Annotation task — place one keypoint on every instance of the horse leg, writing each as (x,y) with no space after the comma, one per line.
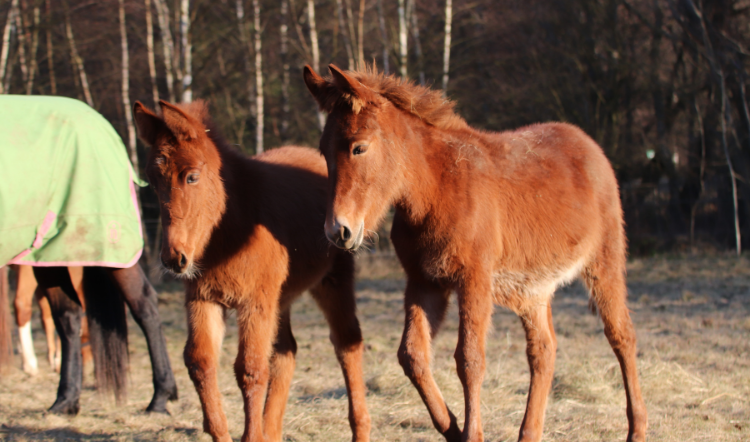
(142,300)
(66,312)
(425,304)
(6,343)
(606,282)
(205,333)
(541,345)
(53,355)
(335,296)
(76,277)
(281,372)
(257,323)
(25,288)
(475,312)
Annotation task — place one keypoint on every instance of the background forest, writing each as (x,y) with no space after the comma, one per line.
(659,84)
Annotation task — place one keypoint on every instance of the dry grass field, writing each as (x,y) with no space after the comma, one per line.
(692,315)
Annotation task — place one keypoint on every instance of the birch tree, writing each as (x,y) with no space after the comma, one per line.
(361,35)
(284,37)
(383,37)
(7,31)
(167,44)
(187,52)
(33,66)
(345,34)
(258,78)
(315,50)
(447,43)
(417,45)
(150,50)
(402,39)
(247,50)
(125,87)
(21,35)
(76,59)
(50,51)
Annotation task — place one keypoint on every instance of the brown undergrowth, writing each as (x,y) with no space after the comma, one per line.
(692,315)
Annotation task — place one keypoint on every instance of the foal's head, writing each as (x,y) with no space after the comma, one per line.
(365,143)
(183,167)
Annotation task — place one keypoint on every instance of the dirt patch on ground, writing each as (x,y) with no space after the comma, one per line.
(692,316)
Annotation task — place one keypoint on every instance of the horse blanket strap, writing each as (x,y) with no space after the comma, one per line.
(67,194)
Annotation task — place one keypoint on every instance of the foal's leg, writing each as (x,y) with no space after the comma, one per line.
(257,323)
(142,300)
(605,279)
(25,288)
(335,297)
(53,350)
(541,345)
(281,372)
(425,304)
(475,313)
(205,333)
(66,312)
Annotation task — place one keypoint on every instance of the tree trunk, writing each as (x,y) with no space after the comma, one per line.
(162,14)
(76,59)
(352,32)
(258,79)
(150,50)
(447,43)
(125,87)
(345,33)
(6,45)
(187,52)
(315,52)
(247,50)
(361,36)
(402,38)
(21,35)
(284,31)
(50,51)
(417,45)
(32,55)
(383,36)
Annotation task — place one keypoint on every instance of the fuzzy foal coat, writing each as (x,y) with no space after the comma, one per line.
(501,218)
(246,233)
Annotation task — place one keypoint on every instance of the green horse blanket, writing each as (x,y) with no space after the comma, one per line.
(67,194)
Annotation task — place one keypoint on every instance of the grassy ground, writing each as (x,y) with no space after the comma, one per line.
(692,315)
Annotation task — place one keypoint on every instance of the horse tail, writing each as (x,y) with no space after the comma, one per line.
(108,331)
(6,345)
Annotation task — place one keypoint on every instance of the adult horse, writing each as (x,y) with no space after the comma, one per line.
(69,200)
(245,233)
(501,218)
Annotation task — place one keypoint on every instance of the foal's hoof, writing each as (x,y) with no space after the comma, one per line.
(453,434)
(159,401)
(69,407)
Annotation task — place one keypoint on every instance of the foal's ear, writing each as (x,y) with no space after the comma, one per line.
(315,84)
(178,122)
(147,123)
(349,85)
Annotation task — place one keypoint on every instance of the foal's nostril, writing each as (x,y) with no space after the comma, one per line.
(183,260)
(345,233)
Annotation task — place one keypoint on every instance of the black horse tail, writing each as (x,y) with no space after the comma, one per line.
(6,345)
(108,331)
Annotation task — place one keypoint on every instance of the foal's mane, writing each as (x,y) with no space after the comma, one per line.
(198,111)
(428,105)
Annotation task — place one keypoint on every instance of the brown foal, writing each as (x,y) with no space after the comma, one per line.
(245,233)
(501,218)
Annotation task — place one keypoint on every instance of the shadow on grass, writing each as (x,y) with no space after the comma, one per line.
(21,433)
(334,393)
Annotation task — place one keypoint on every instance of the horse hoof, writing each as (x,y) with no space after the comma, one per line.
(65,407)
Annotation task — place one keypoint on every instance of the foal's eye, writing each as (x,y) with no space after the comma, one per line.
(359,149)
(192,178)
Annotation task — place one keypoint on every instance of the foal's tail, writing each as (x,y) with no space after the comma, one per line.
(6,345)
(108,331)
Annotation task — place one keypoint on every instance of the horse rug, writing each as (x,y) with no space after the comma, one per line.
(67,194)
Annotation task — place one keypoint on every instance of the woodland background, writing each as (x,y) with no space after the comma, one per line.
(661,85)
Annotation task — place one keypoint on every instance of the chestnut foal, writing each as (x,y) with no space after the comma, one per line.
(246,233)
(501,218)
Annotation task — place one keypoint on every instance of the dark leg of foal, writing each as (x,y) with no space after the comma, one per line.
(335,297)
(142,300)
(281,372)
(474,313)
(606,281)
(425,304)
(541,345)
(66,312)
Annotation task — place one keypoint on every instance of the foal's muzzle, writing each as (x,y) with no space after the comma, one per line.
(175,261)
(340,234)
